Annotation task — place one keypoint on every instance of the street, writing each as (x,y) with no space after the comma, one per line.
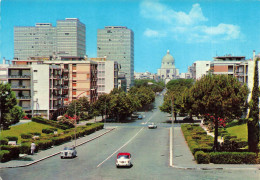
(150,149)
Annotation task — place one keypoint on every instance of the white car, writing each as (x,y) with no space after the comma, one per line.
(123,159)
(68,152)
(152,126)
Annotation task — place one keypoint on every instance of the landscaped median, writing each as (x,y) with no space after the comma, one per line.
(45,134)
(201,146)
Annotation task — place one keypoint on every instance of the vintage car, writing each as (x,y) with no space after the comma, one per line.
(123,159)
(68,152)
(152,126)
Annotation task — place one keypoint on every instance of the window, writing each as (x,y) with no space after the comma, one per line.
(74,74)
(74,92)
(35,71)
(74,84)
(67,33)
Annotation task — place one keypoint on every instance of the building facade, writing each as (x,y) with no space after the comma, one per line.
(116,43)
(107,75)
(45,87)
(45,41)
(199,69)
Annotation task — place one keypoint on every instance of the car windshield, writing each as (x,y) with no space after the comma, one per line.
(123,157)
(68,148)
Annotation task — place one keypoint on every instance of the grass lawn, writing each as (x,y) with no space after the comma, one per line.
(240,131)
(25,128)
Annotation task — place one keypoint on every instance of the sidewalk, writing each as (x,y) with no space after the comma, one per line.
(28,160)
(183,158)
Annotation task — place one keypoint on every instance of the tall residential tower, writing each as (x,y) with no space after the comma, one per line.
(44,40)
(116,43)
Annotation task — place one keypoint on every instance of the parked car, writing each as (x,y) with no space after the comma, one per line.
(140,117)
(123,159)
(188,118)
(152,126)
(68,152)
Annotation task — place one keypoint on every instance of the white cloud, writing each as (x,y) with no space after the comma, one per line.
(153,33)
(189,27)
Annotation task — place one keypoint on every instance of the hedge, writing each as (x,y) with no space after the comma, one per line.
(25,148)
(202,157)
(52,123)
(14,151)
(3,141)
(197,138)
(233,157)
(12,138)
(48,130)
(4,156)
(26,135)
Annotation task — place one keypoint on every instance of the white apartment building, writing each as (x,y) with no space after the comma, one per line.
(199,69)
(107,75)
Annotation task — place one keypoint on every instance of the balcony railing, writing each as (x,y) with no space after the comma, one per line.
(21,87)
(19,76)
(26,108)
(23,97)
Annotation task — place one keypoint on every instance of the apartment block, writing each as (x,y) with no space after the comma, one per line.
(45,41)
(116,43)
(107,76)
(44,87)
(199,69)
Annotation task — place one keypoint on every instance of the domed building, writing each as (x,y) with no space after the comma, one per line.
(168,70)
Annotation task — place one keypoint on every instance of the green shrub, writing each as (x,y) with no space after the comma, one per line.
(52,123)
(43,144)
(12,138)
(36,133)
(4,156)
(26,135)
(14,151)
(233,158)
(47,131)
(202,157)
(3,141)
(25,148)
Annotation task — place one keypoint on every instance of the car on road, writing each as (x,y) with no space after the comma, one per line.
(188,118)
(152,126)
(140,117)
(68,152)
(123,159)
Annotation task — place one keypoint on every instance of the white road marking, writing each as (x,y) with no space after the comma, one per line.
(149,119)
(120,148)
(171,155)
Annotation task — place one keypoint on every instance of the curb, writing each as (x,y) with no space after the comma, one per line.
(34,162)
(214,168)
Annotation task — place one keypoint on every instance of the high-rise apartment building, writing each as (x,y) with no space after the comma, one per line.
(45,41)
(116,43)
(71,38)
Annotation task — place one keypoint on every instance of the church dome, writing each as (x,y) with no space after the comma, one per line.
(168,61)
(168,58)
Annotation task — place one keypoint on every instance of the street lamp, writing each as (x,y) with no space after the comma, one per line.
(75,115)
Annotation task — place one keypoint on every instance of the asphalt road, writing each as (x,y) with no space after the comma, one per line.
(150,157)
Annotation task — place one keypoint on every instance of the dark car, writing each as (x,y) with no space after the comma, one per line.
(188,118)
(140,117)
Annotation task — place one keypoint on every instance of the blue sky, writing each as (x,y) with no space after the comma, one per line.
(191,29)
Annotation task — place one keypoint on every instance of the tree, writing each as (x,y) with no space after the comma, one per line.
(253,121)
(81,106)
(220,96)
(102,104)
(7,103)
(175,94)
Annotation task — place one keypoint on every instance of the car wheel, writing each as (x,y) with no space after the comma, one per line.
(61,157)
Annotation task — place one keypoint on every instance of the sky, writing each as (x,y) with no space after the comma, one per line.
(192,30)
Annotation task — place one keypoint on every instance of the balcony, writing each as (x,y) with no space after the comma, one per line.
(23,97)
(21,87)
(26,108)
(19,76)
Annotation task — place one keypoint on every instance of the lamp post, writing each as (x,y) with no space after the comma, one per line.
(75,115)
